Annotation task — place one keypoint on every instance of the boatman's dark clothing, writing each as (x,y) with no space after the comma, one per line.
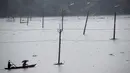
(9,64)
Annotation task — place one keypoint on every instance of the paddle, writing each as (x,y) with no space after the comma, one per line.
(13,64)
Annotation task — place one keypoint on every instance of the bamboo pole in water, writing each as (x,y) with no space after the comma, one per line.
(59,53)
(114,30)
(43,21)
(86,23)
(59,47)
(43,16)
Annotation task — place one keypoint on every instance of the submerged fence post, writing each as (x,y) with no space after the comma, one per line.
(114,30)
(86,23)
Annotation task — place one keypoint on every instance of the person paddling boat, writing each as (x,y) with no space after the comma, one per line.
(10,64)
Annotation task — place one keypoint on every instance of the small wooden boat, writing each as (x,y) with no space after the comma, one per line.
(20,67)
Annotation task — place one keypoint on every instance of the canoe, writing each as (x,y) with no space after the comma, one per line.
(20,67)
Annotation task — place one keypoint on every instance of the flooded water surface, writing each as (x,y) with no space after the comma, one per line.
(93,52)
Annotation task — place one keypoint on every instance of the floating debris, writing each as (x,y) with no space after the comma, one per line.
(127,60)
(111,54)
(122,52)
(23,20)
(34,55)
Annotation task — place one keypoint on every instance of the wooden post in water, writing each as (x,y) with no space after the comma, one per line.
(59,53)
(43,16)
(59,46)
(114,30)
(27,20)
(86,23)
(43,20)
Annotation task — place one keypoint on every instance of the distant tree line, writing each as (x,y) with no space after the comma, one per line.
(71,7)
